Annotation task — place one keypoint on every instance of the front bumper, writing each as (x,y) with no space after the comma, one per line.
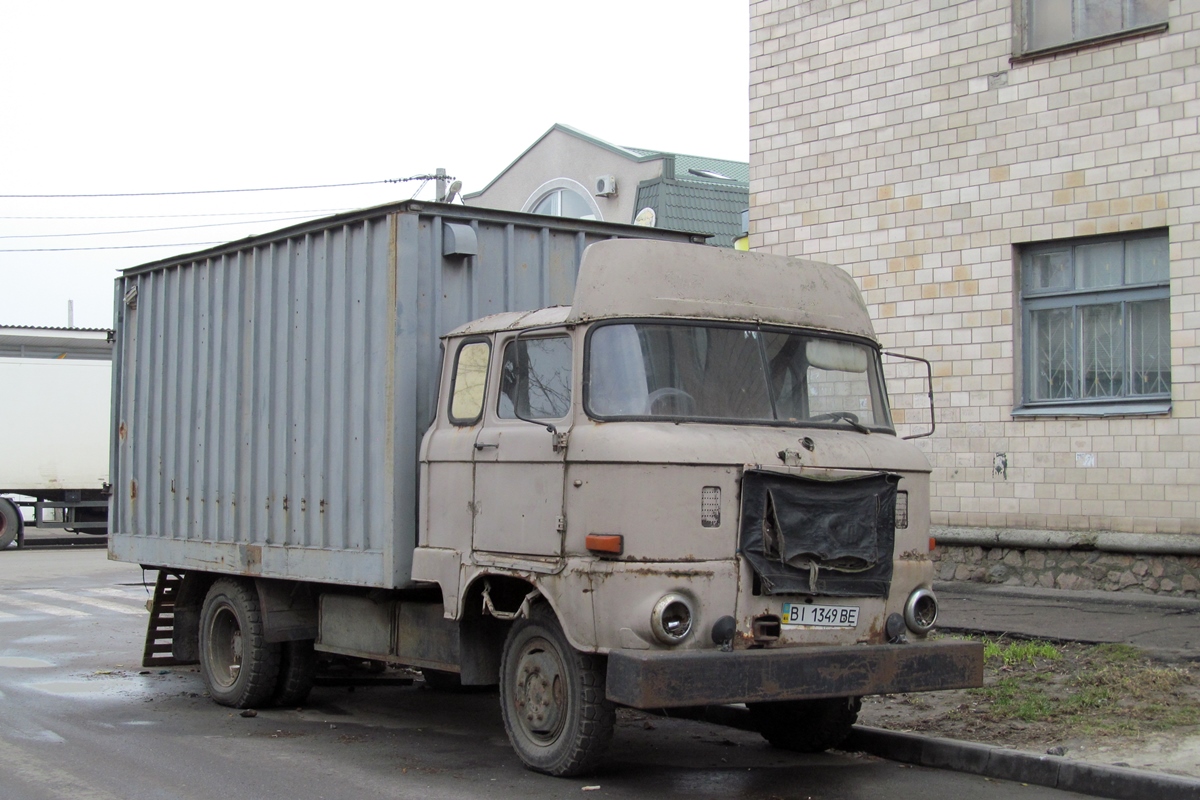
(669,679)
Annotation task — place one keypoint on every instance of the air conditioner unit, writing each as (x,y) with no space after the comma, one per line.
(606,185)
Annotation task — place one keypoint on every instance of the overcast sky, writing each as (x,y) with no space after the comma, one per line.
(139,97)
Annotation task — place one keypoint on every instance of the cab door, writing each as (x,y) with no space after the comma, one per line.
(448,449)
(519,461)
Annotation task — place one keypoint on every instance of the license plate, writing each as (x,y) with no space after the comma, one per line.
(813,616)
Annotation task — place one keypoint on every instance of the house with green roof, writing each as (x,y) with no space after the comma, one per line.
(569,173)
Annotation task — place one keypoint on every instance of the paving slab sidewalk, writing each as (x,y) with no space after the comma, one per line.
(1167,628)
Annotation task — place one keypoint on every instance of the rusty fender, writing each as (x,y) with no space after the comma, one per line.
(666,679)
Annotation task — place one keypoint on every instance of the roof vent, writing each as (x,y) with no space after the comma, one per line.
(459,240)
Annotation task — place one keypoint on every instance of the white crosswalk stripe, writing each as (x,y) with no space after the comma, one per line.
(54,594)
(19,604)
(139,594)
(42,608)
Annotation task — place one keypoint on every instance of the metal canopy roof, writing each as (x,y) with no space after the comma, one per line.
(40,342)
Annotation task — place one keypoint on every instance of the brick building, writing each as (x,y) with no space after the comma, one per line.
(1013,184)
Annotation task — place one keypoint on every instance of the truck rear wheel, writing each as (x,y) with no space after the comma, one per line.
(239,666)
(10,522)
(806,726)
(297,673)
(552,698)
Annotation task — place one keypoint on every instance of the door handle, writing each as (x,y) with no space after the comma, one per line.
(485,445)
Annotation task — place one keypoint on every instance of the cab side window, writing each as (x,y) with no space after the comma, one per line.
(470,381)
(535,379)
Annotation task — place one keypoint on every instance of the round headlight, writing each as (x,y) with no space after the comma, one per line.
(920,612)
(671,619)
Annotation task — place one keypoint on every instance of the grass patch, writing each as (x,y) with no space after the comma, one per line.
(1011,698)
(1105,689)
(1013,653)
(1037,693)
(1118,653)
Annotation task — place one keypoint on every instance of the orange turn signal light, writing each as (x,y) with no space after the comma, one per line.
(608,543)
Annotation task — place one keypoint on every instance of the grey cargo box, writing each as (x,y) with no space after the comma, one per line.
(269,395)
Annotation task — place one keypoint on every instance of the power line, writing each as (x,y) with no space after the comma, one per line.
(148,230)
(223,191)
(110,247)
(218,214)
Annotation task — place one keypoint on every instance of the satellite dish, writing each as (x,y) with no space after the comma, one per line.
(646,218)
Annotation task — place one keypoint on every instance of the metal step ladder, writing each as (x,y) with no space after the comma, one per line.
(161,627)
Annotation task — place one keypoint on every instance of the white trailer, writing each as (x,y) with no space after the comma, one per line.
(55,412)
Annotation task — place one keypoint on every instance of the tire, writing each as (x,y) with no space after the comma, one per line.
(10,523)
(552,699)
(806,726)
(239,666)
(297,673)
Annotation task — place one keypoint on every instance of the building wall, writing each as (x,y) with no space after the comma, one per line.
(901,141)
(560,155)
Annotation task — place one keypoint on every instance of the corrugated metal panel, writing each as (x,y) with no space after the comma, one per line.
(272,393)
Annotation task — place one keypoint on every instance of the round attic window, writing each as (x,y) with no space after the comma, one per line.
(563,197)
(564,203)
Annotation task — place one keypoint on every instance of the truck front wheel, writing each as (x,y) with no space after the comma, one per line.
(10,522)
(552,698)
(240,667)
(806,726)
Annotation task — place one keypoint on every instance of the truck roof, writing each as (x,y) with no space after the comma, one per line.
(513,320)
(643,278)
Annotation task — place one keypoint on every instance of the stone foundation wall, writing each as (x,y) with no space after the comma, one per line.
(1177,576)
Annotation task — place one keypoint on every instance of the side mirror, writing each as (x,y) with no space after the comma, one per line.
(915,385)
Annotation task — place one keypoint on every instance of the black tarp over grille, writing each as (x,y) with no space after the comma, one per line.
(819,537)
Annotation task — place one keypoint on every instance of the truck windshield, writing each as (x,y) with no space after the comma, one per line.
(732,374)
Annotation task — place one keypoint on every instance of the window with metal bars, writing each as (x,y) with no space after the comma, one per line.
(1096,324)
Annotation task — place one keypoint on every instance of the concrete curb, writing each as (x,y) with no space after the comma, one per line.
(1056,772)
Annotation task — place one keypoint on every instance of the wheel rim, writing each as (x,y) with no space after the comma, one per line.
(225,648)
(540,694)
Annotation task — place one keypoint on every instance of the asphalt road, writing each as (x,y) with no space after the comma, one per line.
(80,719)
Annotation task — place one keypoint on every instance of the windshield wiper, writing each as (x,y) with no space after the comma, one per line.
(842,416)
